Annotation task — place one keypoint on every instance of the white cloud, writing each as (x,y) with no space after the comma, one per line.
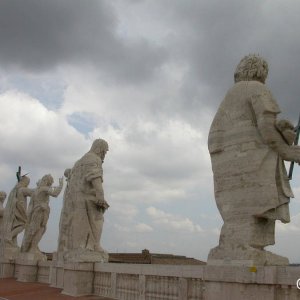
(296,190)
(123,211)
(287,241)
(35,136)
(173,222)
(40,141)
(121,228)
(142,228)
(130,245)
(293,226)
(139,228)
(216,231)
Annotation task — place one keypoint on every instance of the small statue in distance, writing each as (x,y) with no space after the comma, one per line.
(15,216)
(38,214)
(63,226)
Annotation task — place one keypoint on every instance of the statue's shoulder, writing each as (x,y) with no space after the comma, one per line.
(251,86)
(261,98)
(90,158)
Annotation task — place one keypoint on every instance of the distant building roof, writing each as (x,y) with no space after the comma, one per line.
(145,257)
(153,258)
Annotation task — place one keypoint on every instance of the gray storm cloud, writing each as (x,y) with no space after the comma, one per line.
(40,35)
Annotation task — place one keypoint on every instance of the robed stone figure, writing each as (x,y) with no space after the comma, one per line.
(247,145)
(82,219)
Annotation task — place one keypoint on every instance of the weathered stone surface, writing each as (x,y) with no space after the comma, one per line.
(7,268)
(78,279)
(79,241)
(247,145)
(38,214)
(2,198)
(135,281)
(15,217)
(27,270)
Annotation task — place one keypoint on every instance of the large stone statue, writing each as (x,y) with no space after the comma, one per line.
(38,214)
(247,145)
(15,217)
(82,219)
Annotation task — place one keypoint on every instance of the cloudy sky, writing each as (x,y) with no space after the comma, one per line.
(147,76)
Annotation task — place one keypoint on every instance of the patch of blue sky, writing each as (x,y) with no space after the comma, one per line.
(48,90)
(83,122)
(115,125)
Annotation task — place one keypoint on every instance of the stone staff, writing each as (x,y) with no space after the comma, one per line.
(297,129)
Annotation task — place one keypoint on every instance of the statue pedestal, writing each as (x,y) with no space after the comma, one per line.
(27,270)
(27,265)
(247,256)
(10,252)
(44,268)
(78,279)
(7,268)
(85,255)
(181,282)
(57,271)
(32,256)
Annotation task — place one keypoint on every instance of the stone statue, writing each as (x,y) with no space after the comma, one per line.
(247,145)
(82,219)
(2,198)
(38,214)
(15,217)
(63,225)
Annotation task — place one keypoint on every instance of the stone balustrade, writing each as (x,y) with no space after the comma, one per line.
(177,282)
(163,282)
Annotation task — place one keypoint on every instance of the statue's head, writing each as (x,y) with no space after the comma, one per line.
(100,147)
(46,180)
(2,196)
(24,181)
(251,68)
(67,173)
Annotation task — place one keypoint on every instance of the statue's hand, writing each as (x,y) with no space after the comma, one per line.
(286,129)
(103,204)
(297,154)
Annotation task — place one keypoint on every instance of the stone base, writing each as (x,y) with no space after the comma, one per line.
(44,268)
(181,282)
(78,279)
(10,252)
(83,255)
(32,257)
(57,272)
(7,268)
(246,256)
(27,270)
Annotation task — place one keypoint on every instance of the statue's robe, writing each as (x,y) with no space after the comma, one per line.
(82,218)
(38,215)
(250,179)
(15,213)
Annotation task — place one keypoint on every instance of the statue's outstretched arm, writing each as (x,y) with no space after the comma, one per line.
(26,192)
(55,191)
